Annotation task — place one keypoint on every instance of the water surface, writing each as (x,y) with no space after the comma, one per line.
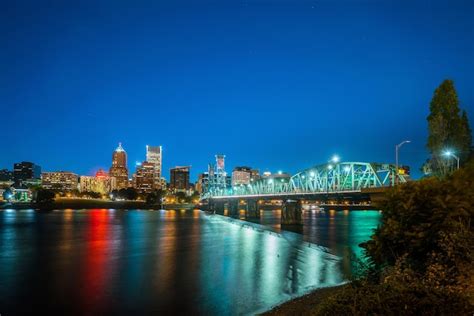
(111,261)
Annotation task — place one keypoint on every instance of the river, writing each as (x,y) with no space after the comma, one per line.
(170,262)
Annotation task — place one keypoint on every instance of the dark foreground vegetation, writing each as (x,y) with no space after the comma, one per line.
(420,259)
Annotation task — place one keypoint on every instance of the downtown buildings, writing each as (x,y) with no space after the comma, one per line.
(148,175)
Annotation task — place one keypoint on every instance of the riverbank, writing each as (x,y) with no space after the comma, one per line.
(304,305)
(72,203)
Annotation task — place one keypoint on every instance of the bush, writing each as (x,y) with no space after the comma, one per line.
(44,196)
(421,255)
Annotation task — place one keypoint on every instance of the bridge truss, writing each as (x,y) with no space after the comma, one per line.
(325,178)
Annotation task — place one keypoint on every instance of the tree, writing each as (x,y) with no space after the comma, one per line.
(447,129)
(466,133)
(131,194)
(44,196)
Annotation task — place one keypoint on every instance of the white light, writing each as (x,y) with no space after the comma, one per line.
(280,172)
(330,167)
(448,153)
(312,174)
(347,168)
(335,159)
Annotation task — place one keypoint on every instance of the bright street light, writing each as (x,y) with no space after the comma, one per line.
(449,153)
(335,159)
(396,157)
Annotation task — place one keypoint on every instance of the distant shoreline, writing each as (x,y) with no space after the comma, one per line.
(62,204)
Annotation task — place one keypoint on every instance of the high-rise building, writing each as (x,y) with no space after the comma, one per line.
(101,183)
(26,172)
(179,178)
(59,180)
(119,168)
(241,175)
(154,155)
(202,182)
(144,178)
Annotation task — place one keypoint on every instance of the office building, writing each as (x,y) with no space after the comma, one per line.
(241,175)
(144,179)
(154,155)
(59,181)
(119,168)
(179,178)
(26,172)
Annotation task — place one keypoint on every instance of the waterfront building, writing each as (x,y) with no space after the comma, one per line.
(101,183)
(241,175)
(24,172)
(154,155)
(59,180)
(179,178)
(144,179)
(119,168)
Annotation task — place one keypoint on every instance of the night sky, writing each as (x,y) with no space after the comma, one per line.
(271,84)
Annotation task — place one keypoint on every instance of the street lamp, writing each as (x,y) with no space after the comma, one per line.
(449,153)
(396,157)
(335,159)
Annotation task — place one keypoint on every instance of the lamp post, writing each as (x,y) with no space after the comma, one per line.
(397,147)
(451,154)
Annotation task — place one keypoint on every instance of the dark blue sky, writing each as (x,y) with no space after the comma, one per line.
(272,84)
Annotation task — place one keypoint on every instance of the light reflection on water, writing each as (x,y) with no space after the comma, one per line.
(99,261)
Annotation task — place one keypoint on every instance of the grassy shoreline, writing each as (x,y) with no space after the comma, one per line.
(305,304)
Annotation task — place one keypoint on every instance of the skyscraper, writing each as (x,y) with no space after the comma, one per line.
(26,171)
(119,168)
(154,155)
(179,178)
(144,178)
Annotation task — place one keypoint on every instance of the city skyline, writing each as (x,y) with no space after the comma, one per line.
(261,84)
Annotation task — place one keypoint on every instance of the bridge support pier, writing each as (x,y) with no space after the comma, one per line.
(233,207)
(252,210)
(292,213)
(218,206)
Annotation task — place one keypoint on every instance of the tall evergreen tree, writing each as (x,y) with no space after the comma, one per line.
(447,129)
(466,136)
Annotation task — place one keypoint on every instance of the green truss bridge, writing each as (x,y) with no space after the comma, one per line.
(343,183)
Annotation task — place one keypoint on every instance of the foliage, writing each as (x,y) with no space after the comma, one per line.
(396,297)
(447,129)
(90,194)
(155,197)
(128,194)
(419,218)
(44,196)
(421,254)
